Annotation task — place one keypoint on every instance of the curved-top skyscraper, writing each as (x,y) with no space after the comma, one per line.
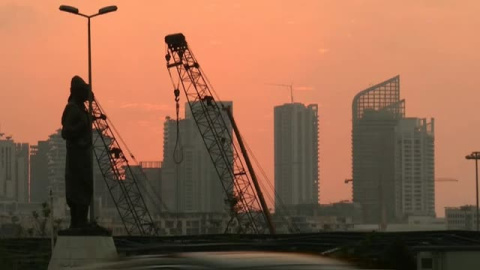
(392,156)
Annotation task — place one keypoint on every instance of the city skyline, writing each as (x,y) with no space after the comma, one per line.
(348,47)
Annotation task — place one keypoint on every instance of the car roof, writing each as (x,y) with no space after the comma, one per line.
(245,259)
(225,260)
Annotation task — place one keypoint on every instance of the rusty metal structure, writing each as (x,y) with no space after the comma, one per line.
(243,194)
(121,180)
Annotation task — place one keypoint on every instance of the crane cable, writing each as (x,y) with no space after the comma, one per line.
(292,226)
(177,158)
(178,149)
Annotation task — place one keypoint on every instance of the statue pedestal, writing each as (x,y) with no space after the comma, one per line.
(73,250)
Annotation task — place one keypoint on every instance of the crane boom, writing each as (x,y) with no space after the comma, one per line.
(250,169)
(242,196)
(121,180)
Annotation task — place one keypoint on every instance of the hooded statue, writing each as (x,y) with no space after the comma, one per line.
(76,130)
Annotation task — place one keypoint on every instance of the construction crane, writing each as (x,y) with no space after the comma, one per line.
(445,179)
(290,86)
(243,193)
(121,180)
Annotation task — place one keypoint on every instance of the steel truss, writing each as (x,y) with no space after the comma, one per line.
(121,180)
(217,136)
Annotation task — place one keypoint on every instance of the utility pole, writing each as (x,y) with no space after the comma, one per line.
(104,10)
(476,157)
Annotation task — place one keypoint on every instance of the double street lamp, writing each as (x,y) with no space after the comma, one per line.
(476,157)
(101,11)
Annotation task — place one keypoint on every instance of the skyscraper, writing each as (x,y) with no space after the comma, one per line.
(39,172)
(415,163)
(56,159)
(296,154)
(7,169)
(14,164)
(22,166)
(190,183)
(383,159)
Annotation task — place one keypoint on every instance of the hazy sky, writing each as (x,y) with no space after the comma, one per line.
(329,50)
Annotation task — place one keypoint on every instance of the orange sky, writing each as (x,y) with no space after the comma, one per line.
(335,48)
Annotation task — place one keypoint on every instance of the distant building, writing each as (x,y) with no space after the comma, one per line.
(153,173)
(461,218)
(190,183)
(22,166)
(7,170)
(415,163)
(296,154)
(411,224)
(14,166)
(39,172)
(56,159)
(339,216)
(393,157)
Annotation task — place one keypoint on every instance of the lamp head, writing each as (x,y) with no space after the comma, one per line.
(107,9)
(69,9)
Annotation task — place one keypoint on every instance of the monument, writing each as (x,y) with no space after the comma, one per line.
(83,242)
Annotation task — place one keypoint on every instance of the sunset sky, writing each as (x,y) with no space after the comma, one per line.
(328,50)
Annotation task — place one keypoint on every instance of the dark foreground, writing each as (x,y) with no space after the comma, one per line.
(367,250)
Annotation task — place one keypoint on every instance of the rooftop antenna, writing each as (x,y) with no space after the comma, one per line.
(290,86)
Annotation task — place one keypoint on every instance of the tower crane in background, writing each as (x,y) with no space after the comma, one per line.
(243,193)
(290,86)
(445,179)
(120,178)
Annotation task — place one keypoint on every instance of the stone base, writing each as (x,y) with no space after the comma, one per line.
(73,251)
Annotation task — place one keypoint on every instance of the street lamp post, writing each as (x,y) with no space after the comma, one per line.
(101,11)
(476,157)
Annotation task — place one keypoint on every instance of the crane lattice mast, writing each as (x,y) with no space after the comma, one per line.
(120,178)
(241,194)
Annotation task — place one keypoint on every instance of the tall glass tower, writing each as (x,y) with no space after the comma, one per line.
(392,156)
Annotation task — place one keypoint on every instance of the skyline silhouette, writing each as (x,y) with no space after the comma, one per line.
(335,49)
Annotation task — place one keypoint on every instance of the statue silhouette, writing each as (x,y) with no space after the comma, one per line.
(76,130)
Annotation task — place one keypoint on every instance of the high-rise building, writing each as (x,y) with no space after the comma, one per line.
(387,169)
(190,183)
(14,164)
(296,154)
(7,169)
(22,166)
(415,164)
(56,160)
(39,172)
